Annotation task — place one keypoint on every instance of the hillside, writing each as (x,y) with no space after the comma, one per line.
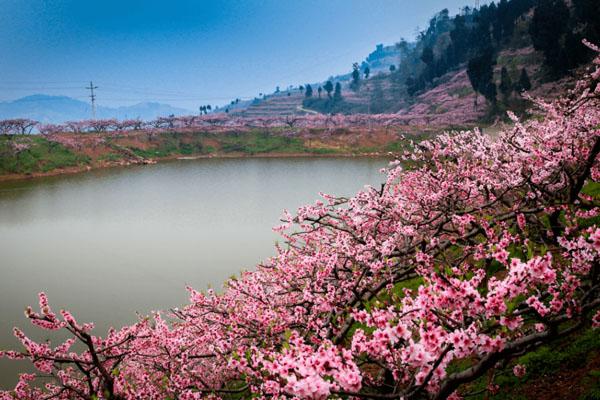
(279,104)
(463,68)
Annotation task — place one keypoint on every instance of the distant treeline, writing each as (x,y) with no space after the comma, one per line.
(21,126)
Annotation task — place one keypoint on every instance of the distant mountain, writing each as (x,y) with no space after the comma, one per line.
(58,109)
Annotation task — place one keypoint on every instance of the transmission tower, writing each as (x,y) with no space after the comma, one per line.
(93,98)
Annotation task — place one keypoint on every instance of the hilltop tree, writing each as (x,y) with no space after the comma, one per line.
(205,109)
(392,68)
(523,84)
(309,91)
(367,72)
(328,88)
(319,90)
(506,85)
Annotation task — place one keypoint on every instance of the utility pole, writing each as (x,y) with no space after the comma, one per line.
(93,98)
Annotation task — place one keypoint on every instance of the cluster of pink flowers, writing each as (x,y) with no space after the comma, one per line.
(17,126)
(475,250)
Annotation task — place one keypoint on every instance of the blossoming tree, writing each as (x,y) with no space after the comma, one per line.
(474,251)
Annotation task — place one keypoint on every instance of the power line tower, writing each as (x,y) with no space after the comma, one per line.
(93,98)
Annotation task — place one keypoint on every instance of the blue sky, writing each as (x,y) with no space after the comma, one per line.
(189,53)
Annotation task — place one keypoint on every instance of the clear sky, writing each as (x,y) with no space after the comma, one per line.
(192,52)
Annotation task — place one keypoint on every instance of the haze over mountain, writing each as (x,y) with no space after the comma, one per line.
(58,109)
(192,52)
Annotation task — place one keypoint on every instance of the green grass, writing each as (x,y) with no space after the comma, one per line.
(591,189)
(257,142)
(111,157)
(263,142)
(592,381)
(250,143)
(41,156)
(170,144)
(321,150)
(562,354)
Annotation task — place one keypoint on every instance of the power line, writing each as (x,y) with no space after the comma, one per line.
(93,97)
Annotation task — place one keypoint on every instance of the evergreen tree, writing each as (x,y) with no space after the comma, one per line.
(355,76)
(506,85)
(309,91)
(427,55)
(480,71)
(524,84)
(367,72)
(328,86)
(587,13)
(337,94)
(549,22)
(320,90)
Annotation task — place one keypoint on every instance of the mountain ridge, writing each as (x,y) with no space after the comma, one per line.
(58,109)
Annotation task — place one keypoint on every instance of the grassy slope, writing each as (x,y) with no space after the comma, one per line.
(95,150)
(40,156)
(563,369)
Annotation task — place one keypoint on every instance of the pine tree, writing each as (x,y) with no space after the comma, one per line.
(524,84)
(355,77)
(480,71)
(328,86)
(337,94)
(506,85)
(309,91)
(547,27)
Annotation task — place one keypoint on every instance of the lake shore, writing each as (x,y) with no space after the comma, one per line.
(107,165)
(33,156)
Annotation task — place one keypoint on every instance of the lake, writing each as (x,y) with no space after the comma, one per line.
(109,243)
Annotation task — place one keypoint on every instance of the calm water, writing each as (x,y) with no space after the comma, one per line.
(107,244)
